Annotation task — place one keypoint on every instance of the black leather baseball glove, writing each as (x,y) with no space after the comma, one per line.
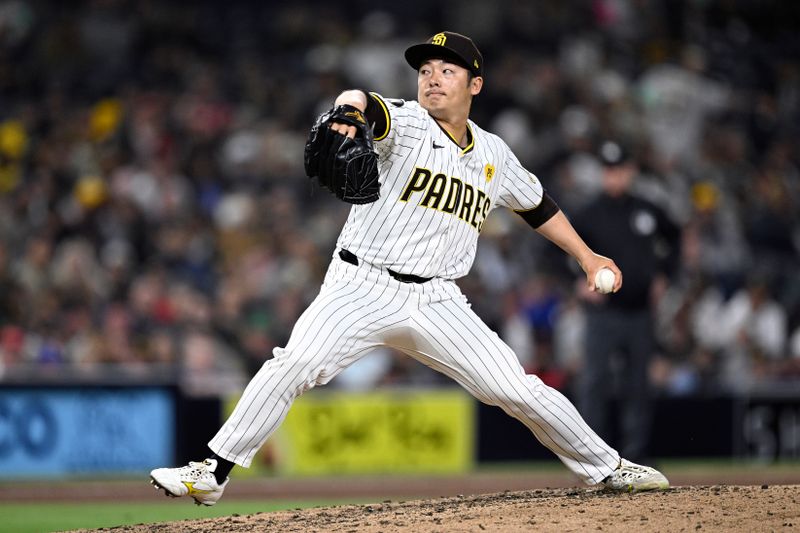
(348,167)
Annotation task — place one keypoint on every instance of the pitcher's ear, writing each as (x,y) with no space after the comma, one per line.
(475,85)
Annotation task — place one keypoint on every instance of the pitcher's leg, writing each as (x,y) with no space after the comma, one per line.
(454,340)
(332,333)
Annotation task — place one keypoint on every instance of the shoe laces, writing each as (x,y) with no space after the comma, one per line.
(630,471)
(197,470)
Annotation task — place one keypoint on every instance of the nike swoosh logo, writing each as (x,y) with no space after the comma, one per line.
(437,145)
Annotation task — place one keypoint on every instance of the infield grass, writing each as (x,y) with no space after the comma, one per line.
(45,517)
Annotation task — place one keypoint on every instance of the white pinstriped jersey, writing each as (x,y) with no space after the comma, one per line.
(435,195)
(434,199)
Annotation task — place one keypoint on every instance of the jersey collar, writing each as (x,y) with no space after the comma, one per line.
(470,138)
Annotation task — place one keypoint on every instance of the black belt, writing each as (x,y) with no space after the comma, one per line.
(350,257)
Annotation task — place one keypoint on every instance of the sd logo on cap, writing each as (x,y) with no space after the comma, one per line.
(447,45)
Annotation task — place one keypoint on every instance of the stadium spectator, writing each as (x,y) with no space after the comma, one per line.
(151,179)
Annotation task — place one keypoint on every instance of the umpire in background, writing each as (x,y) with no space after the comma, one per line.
(619,340)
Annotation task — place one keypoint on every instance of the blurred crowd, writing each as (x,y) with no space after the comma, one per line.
(156,222)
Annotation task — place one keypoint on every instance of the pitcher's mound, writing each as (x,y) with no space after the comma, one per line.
(691,509)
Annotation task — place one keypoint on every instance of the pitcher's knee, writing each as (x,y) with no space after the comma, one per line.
(518,398)
(299,360)
(510,399)
(293,373)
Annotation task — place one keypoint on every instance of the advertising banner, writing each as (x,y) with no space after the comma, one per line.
(374,432)
(58,432)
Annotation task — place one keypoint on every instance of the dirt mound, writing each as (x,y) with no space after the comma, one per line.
(707,508)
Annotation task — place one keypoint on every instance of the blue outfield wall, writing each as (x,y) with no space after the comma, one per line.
(66,431)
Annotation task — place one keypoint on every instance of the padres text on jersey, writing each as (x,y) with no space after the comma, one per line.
(435,195)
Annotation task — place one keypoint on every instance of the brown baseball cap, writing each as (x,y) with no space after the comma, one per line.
(447,45)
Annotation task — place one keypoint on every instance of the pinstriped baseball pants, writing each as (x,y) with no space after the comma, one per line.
(362,307)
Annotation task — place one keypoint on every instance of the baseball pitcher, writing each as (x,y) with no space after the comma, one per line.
(422,178)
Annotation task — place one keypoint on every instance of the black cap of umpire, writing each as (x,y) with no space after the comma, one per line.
(447,45)
(612,153)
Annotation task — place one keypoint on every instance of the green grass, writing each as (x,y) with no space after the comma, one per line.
(43,517)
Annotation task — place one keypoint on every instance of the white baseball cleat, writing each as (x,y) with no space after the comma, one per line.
(630,477)
(196,480)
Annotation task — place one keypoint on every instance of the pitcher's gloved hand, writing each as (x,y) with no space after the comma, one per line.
(348,167)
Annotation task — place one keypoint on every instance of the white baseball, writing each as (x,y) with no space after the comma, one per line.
(604,280)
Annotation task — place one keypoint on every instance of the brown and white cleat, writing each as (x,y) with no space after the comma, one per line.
(159,487)
(631,477)
(196,480)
